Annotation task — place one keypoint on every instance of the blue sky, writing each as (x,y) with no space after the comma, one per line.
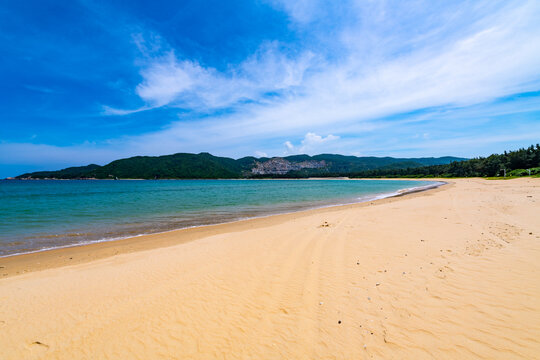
(92,81)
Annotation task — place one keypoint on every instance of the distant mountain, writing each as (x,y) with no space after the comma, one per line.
(207,166)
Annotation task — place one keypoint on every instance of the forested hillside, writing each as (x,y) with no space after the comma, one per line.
(207,166)
(512,163)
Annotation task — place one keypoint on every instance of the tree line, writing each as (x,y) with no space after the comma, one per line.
(522,162)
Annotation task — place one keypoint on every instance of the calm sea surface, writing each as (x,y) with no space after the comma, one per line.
(42,214)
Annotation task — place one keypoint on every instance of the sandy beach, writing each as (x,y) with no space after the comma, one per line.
(449,273)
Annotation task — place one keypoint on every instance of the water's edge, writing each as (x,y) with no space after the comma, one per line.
(399,193)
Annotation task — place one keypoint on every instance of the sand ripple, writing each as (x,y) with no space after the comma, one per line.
(448,274)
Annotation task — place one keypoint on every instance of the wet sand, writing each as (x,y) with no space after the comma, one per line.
(448,273)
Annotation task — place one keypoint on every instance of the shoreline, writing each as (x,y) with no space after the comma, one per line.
(374,197)
(450,273)
(36,260)
(231,179)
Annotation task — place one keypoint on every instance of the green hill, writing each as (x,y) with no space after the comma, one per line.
(207,166)
(68,173)
(177,166)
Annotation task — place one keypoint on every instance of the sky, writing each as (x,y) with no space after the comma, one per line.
(87,81)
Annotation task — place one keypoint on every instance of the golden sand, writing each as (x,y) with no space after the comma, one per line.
(450,273)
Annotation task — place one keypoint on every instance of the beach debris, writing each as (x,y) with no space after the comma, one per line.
(339,322)
(369,298)
(325,224)
(358,263)
(320,303)
(404,273)
(422,240)
(377,284)
(365,346)
(530,233)
(40,344)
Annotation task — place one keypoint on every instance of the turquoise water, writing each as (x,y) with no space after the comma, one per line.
(43,214)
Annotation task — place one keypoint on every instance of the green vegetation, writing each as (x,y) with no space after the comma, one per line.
(207,166)
(69,173)
(515,163)
(522,162)
(177,166)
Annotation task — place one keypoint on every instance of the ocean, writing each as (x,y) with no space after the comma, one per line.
(43,214)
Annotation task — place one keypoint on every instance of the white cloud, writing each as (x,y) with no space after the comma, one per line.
(497,56)
(167,80)
(108,110)
(313,141)
(311,144)
(271,69)
(260,154)
(442,60)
